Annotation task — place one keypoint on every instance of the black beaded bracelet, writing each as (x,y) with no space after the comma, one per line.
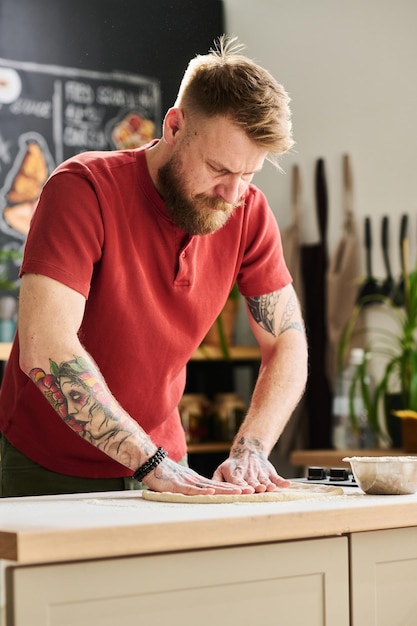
(150,464)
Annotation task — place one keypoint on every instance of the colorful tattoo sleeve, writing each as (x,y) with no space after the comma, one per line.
(79,395)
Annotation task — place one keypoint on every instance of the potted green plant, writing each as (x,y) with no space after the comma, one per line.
(9,290)
(395,347)
(8,256)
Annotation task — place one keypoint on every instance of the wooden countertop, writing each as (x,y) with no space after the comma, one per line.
(87,526)
(333,458)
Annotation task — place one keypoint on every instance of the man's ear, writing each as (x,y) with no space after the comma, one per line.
(173,122)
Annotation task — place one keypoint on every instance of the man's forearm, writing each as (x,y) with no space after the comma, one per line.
(78,393)
(278,390)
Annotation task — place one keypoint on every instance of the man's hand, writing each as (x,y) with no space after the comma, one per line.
(249,468)
(170,476)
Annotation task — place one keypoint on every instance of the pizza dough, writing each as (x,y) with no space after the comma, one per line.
(296,491)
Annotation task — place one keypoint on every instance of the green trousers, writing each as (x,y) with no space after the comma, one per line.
(19,476)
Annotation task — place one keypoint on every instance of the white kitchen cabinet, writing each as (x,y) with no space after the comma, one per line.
(116,558)
(384,577)
(290,584)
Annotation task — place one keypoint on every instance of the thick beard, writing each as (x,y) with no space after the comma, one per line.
(198,215)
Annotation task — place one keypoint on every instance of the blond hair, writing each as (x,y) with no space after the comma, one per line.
(225,82)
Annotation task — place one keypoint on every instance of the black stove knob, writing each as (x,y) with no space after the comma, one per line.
(316,473)
(339,473)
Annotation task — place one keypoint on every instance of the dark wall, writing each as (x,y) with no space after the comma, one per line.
(155,38)
(99,42)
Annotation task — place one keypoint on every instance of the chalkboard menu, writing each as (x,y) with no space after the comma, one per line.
(79,75)
(49,113)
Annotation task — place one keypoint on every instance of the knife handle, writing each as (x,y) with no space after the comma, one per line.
(368,234)
(403,228)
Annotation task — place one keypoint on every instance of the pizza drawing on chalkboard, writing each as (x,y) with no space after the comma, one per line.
(19,194)
(25,188)
(132,131)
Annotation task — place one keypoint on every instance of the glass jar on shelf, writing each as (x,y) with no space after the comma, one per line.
(228,412)
(194,414)
(348,396)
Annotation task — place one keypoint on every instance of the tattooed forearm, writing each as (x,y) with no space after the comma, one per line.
(243,444)
(262,309)
(78,393)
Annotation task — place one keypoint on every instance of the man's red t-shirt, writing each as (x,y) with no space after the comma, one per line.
(152,292)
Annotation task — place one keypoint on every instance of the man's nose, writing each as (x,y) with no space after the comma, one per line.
(230,189)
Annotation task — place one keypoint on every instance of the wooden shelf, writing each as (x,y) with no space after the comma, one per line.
(333,458)
(237,353)
(203,353)
(209,446)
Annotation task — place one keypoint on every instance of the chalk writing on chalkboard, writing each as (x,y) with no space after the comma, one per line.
(49,113)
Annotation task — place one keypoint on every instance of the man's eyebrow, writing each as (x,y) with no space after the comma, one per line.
(220,166)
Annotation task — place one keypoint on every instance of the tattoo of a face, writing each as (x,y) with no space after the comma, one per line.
(79,395)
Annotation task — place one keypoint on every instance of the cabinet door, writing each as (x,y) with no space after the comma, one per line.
(384,578)
(3,565)
(289,584)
